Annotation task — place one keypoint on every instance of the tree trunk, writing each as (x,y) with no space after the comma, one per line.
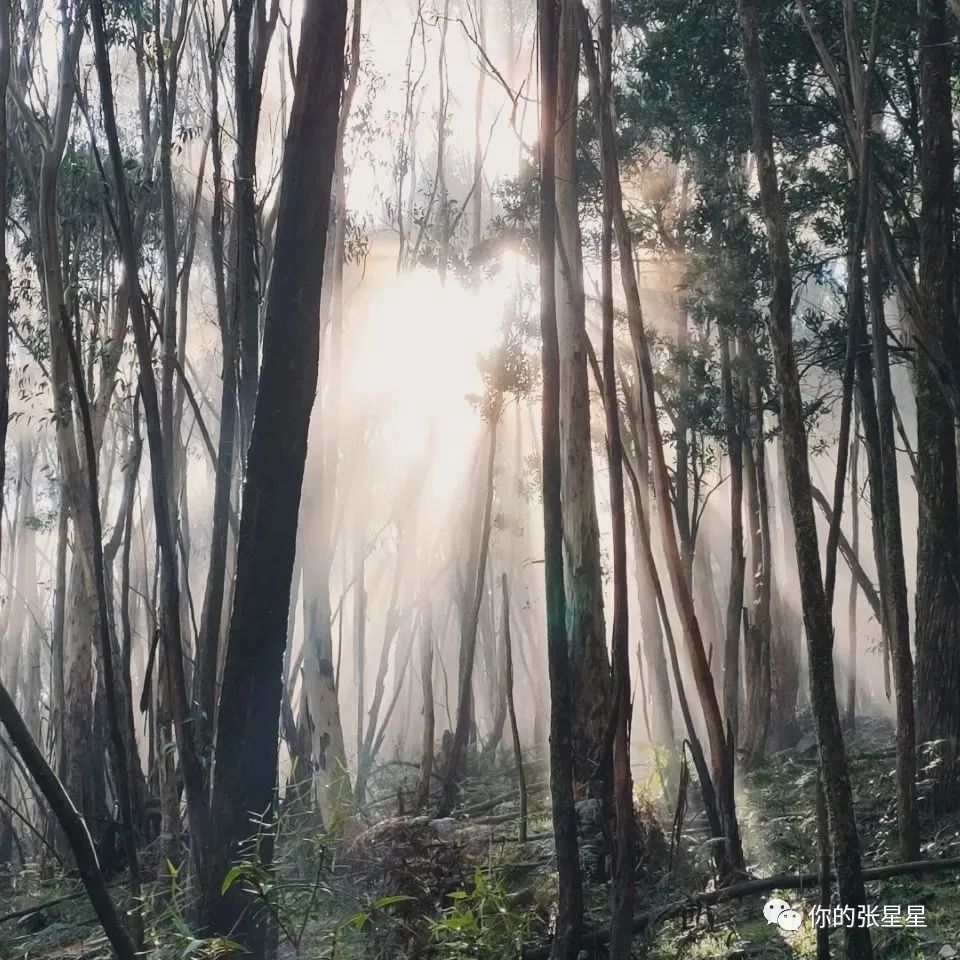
(72,824)
(248,720)
(429,716)
(590,667)
(730,854)
(468,640)
(938,558)
(659,691)
(566,942)
(833,760)
(511,709)
(624,853)
(852,639)
(731,653)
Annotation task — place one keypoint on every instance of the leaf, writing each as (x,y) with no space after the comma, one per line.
(389,901)
(233,874)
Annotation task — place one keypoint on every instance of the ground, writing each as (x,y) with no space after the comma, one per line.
(465,887)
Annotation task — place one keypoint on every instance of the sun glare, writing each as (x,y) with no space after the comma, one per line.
(413,365)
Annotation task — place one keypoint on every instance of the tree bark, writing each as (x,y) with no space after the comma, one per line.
(72,824)
(511,708)
(731,653)
(624,866)
(566,944)
(468,640)
(590,666)
(429,714)
(938,562)
(248,720)
(846,839)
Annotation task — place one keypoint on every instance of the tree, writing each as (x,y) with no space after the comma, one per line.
(570,892)
(819,629)
(586,633)
(248,721)
(938,563)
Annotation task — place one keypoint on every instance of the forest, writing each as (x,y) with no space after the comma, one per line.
(479,479)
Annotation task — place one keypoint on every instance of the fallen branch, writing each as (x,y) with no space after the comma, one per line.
(496,801)
(73,826)
(737,891)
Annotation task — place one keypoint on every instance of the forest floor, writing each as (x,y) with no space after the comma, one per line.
(465,886)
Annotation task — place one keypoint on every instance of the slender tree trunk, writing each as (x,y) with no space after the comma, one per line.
(833,760)
(511,708)
(570,892)
(731,655)
(590,666)
(938,556)
(73,826)
(651,628)
(164,522)
(211,617)
(468,640)
(246,751)
(429,715)
(852,638)
(730,855)
(624,865)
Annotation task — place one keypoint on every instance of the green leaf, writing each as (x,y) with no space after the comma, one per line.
(389,901)
(233,874)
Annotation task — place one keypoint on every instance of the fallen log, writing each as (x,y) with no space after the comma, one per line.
(737,891)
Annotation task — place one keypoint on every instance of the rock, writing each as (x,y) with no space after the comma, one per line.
(947,951)
(445,828)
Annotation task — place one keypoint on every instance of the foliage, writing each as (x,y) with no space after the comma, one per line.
(481,922)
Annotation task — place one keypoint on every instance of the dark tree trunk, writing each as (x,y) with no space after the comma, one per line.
(468,640)
(429,715)
(819,629)
(624,865)
(852,639)
(211,617)
(570,892)
(248,719)
(731,652)
(511,708)
(159,469)
(938,555)
(72,825)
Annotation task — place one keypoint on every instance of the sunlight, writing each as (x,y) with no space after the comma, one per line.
(413,366)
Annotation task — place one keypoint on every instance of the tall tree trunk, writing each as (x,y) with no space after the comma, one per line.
(429,716)
(468,639)
(938,554)
(566,943)
(211,617)
(730,854)
(246,751)
(624,856)
(659,691)
(165,526)
(589,663)
(511,707)
(833,759)
(731,653)
(247,310)
(852,638)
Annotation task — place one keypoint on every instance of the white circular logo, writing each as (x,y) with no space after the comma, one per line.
(782,914)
